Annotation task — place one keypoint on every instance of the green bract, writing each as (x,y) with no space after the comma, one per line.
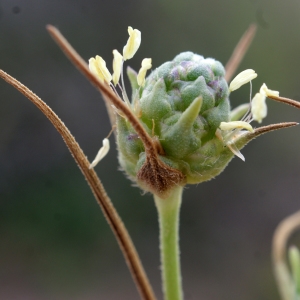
(181,105)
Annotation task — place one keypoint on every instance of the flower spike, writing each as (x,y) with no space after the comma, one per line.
(241,79)
(133,43)
(98,67)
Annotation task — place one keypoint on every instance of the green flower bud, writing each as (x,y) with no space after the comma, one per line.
(181,105)
(183,108)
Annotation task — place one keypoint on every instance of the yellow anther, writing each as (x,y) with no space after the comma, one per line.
(259,107)
(241,79)
(133,43)
(102,152)
(264,90)
(236,125)
(146,65)
(117,66)
(98,67)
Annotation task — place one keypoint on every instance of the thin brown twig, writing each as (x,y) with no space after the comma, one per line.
(241,142)
(288,101)
(239,52)
(112,217)
(268,128)
(265,129)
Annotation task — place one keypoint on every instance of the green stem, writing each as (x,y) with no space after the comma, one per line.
(168,212)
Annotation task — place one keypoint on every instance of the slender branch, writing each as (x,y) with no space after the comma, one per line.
(288,101)
(264,129)
(239,52)
(282,233)
(112,217)
(243,140)
(105,90)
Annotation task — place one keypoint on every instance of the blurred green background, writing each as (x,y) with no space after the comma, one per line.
(54,241)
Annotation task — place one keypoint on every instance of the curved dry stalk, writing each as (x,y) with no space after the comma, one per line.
(111,215)
(239,52)
(288,101)
(282,233)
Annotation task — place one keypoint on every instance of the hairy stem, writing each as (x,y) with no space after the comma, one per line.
(168,212)
(111,215)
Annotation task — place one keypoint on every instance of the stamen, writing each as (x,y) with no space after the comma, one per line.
(98,67)
(133,43)
(259,107)
(241,79)
(117,66)
(146,65)
(124,94)
(102,152)
(236,125)
(115,90)
(264,90)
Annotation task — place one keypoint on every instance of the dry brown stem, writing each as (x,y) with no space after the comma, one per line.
(272,127)
(288,101)
(249,136)
(112,217)
(239,52)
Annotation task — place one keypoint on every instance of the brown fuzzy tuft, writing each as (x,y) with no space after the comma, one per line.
(159,178)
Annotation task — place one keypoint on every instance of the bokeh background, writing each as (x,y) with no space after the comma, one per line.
(54,241)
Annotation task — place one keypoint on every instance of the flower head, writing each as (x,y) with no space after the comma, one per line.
(183,109)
